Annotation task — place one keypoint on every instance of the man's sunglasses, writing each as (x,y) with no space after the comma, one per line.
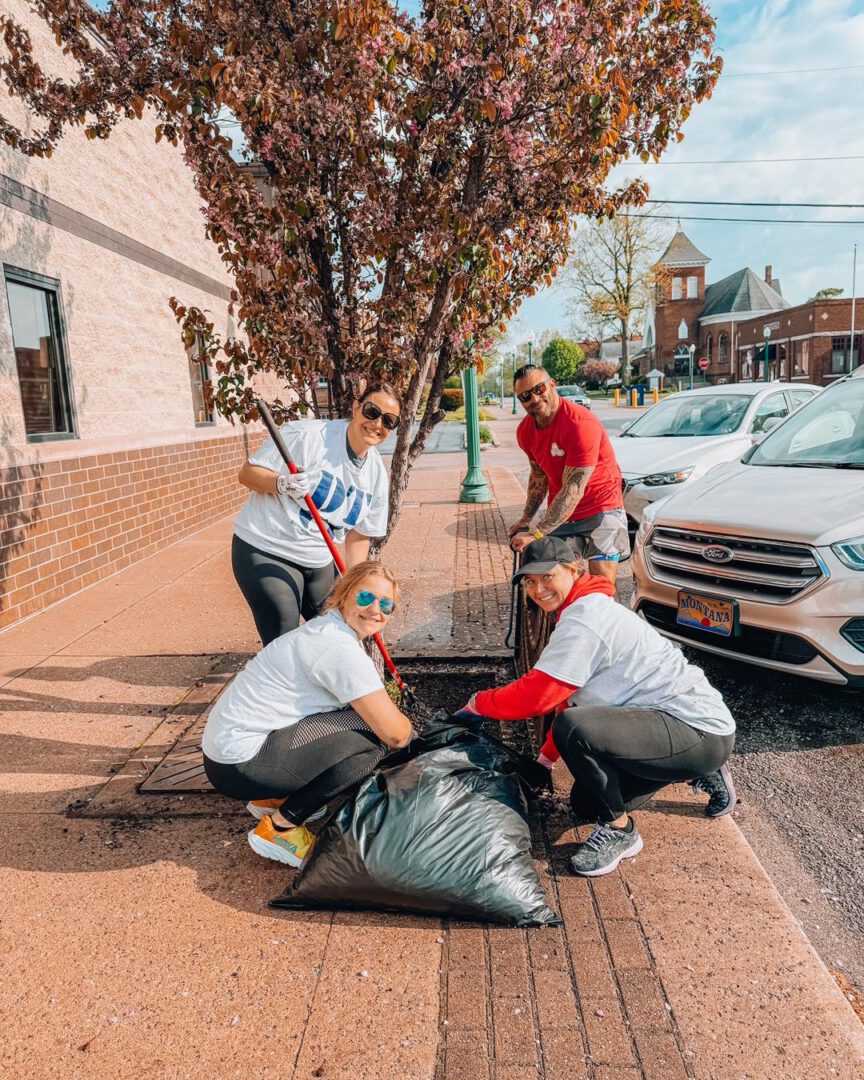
(371,411)
(364,598)
(535,391)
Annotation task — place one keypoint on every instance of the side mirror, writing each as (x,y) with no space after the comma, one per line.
(771,423)
(625,426)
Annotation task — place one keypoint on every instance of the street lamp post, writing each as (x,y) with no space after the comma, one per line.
(691,349)
(513,360)
(474,486)
(766,372)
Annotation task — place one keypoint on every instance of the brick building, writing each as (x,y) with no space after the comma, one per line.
(729,322)
(108,450)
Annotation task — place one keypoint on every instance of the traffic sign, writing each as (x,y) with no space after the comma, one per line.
(703,363)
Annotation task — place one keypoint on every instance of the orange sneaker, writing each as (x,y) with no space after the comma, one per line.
(291,846)
(259,808)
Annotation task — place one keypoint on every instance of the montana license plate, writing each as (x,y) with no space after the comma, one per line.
(706,613)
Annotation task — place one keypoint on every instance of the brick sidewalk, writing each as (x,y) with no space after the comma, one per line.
(583,1001)
(139,937)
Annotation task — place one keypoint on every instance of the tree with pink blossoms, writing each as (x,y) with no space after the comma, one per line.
(405,180)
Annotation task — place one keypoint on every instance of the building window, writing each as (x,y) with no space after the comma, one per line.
(747,366)
(40,355)
(709,348)
(723,349)
(692,288)
(801,357)
(839,353)
(199,377)
(676,288)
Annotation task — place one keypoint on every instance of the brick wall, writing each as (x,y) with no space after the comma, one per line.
(68,523)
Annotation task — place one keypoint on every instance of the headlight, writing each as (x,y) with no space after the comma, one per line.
(851,552)
(660,479)
(648,514)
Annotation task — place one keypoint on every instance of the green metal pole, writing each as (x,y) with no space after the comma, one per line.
(766,371)
(474,486)
(513,360)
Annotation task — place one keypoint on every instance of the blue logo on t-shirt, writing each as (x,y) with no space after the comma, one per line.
(340,507)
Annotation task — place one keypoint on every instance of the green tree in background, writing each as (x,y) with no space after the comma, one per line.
(562,359)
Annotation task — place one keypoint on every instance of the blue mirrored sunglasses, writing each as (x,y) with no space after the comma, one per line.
(365,598)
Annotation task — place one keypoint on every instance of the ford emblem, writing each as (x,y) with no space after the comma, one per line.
(716,553)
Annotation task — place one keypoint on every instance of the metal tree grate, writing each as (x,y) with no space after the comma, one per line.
(181,771)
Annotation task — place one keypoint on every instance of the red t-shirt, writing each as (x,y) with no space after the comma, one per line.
(575,439)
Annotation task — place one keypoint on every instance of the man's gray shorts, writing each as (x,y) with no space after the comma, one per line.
(601,537)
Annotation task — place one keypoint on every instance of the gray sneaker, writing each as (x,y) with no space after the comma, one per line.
(604,849)
(720,789)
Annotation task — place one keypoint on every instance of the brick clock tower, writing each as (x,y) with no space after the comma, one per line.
(678,302)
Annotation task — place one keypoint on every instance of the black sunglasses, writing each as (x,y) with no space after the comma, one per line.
(371,411)
(535,391)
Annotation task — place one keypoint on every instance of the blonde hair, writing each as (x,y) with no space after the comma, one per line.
(344,587)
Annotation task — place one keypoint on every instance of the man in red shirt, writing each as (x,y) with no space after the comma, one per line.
(573,466)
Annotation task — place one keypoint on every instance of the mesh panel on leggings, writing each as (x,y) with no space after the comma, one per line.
(319,725)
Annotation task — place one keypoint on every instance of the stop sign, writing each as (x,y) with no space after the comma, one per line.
(703,363)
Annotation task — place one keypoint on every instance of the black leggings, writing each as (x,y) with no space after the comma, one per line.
(621,757)
(306,764)
(279,591)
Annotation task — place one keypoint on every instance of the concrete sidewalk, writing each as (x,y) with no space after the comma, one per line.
(138,941)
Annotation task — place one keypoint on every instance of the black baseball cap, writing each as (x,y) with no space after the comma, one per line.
(545,554)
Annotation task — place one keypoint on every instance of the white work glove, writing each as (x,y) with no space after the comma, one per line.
(295,485)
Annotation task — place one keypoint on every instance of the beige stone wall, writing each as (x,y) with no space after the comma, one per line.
(140,474)
(129,369)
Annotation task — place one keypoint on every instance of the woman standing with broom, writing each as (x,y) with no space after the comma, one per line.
(280,559)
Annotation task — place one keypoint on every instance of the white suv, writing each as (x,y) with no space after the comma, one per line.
(763,558)
(687,434)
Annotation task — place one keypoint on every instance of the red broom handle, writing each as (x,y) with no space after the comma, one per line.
(276,435)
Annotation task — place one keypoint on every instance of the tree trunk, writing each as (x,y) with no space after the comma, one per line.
(625,352)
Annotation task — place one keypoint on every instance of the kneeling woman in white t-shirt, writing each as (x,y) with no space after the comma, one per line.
(307,717)
(280,560)
(643,717)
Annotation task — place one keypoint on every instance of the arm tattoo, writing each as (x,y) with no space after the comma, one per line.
(573,484)
(538,485)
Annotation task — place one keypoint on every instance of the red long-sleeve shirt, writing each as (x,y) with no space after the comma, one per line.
(533,695)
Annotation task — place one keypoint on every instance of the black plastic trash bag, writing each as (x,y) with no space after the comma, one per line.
(442,831)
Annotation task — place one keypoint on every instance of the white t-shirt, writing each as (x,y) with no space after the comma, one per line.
(616,658)
(316,668)
(348,495)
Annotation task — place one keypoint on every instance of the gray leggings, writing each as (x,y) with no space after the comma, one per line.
(621,757)
(278,591)
(306,764)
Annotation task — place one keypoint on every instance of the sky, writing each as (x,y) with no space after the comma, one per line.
(795,115)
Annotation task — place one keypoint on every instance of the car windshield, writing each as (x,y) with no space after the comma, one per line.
(827,433)
(680,416)
(570,391)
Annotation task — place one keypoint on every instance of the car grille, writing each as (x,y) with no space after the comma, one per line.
(770,571)
(751,641)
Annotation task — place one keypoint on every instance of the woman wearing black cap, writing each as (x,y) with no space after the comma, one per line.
(633,716)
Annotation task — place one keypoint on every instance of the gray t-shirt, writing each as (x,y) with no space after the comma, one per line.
(349,496)
(616,658)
